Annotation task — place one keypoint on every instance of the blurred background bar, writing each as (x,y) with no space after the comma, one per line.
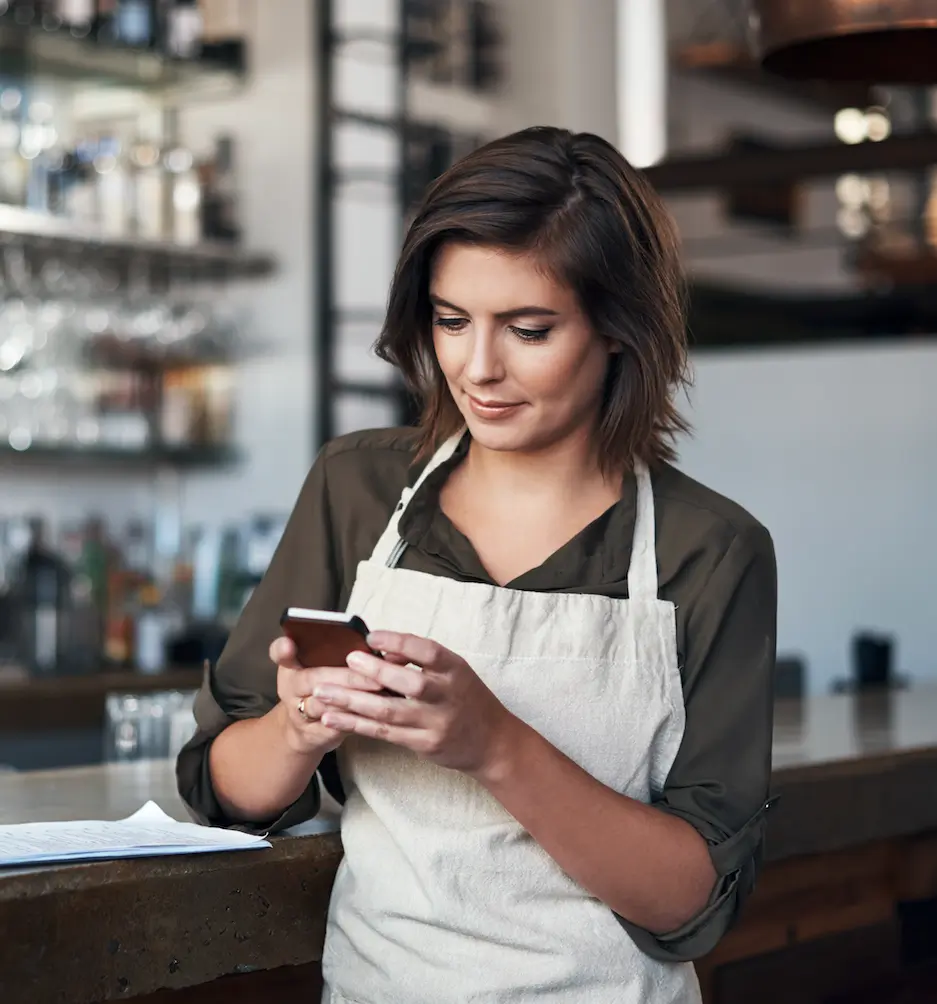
(201,204)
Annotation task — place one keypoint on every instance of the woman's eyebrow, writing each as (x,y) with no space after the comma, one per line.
(503,315)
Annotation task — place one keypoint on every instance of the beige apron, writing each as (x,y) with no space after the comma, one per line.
(442,896)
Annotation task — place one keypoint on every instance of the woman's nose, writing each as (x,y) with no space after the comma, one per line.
(484,363)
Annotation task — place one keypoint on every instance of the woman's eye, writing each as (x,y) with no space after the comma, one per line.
(451,323)
(531,334)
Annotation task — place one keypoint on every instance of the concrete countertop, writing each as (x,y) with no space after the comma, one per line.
(849,770)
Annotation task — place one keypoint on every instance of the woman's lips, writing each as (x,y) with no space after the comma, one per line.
(492,409)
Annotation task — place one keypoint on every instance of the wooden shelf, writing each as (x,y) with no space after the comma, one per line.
(44,233)
(183,457)
(33,53)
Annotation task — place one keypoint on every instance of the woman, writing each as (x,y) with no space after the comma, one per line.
(563,799)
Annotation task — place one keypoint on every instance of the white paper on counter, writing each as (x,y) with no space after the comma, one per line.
(149,832)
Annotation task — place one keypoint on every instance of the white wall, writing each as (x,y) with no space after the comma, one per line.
(273,122)
(835,450)
(559,65)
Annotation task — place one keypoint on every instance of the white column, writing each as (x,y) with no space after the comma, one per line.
(641,78)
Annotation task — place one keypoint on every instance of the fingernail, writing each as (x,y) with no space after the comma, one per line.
(321,693)
(357,660)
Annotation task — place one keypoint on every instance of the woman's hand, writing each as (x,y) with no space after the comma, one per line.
(444,712)
(296,683)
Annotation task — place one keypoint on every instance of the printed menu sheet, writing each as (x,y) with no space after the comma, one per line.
(149,832)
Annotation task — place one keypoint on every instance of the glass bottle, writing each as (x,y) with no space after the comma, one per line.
(186,197)
(182,29)
(42,595)
(135,23)
(77,16)
(13,167)
(220,195)
(224,27)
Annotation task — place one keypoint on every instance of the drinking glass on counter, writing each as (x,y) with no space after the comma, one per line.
(147,726)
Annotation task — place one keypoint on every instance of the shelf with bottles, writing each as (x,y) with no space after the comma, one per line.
(120,190)
(98,372)
(177,417)
(95,597)
(177,49)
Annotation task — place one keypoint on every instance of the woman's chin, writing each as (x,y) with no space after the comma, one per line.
(498,435)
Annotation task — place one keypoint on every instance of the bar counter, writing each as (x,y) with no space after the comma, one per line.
(851,853)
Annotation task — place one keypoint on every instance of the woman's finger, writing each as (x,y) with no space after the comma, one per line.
(397,660)
(414,739)
(283,653)
(401,679)
(305,681)
(411,648)
(390,710)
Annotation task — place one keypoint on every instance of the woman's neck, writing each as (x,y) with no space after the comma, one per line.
(562,469)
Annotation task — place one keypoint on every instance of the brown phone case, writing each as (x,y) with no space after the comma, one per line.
(321,644)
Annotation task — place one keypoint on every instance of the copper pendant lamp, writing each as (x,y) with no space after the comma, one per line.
(868,41)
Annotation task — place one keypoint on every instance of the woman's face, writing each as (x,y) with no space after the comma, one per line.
(521,360)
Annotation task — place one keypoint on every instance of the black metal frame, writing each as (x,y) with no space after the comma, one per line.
(327,386)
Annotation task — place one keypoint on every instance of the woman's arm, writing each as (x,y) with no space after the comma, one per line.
(647,866)
(246,764)
(261,766)
(257,771)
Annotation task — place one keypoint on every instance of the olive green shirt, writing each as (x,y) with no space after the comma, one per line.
(716,564)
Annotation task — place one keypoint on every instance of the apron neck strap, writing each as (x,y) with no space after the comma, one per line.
(642,573)
(391,545)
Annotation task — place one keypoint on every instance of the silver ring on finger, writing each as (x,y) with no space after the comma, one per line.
(301,708)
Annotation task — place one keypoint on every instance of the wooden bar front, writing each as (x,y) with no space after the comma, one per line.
(845,910)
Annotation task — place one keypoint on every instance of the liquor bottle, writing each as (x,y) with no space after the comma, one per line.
(42,593)
(76,16)
(14,169)
(81,546)
(14,538)
(37,137)
(81,204)
(185,197)
(224,27)
(182,29)
(220,195)
(113,186)
(135,25)
(30,12)
(151,632)
(149,186)
(105,21)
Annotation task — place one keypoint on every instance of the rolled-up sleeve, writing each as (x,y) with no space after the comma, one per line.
(243,683)
(720,779)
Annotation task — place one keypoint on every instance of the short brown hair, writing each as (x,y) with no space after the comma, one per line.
(599,227)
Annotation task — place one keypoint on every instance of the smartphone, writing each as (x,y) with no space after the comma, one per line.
(324,638)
